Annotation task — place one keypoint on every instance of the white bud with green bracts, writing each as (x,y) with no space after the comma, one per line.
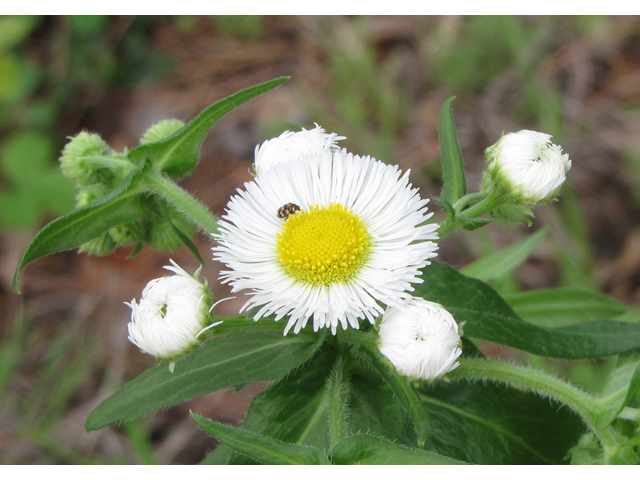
(172,313)
(526,167)
(293,146)
(420,338)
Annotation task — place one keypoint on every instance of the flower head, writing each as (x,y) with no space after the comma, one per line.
(172,312)
(527,167)
(330,237)
(73,159)
(292,146)
(420,338)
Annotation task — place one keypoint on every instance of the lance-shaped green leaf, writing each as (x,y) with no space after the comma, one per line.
(563,306)
(489,423)
(237,357)
(499,263)
(262,448)
(455,185)
(368,450)
(487,316)
(623,383)
(178,154)
(121,206)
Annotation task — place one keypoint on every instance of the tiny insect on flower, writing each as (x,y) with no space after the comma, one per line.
(356,242)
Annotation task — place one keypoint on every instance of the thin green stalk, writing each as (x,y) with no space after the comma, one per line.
(467,199)
(485,205)
(112,162)
(488,203)
(183,201)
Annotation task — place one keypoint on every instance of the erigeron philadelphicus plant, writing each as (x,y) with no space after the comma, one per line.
(368,342)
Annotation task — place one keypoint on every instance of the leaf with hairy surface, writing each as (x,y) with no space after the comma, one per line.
(237,357)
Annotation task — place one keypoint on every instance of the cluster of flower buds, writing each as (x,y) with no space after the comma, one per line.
(96,169)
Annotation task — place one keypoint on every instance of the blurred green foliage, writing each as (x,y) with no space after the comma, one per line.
(53,70)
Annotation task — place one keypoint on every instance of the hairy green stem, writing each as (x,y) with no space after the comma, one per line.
(338,396)
(524,378)
(183,201)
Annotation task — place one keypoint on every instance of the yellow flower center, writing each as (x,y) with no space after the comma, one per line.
(323,245)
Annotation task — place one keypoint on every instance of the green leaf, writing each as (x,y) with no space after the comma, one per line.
(499,263)
(623,383)
(401,386)
(264,449)
(178,154)
(491,423)
(238,357)
(488,317)
(72,230)
(368,450)
(563,306)
(295,408)
(455,186)
(187,241)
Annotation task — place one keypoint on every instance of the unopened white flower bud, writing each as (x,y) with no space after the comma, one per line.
(420,338)
(526,167)
(172,313)
(292,146)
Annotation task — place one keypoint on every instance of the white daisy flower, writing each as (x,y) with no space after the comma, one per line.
(332,237)
(420,338)
(527,167)
(293,145)
(172,313)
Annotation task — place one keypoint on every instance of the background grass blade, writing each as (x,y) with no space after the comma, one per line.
(563,306)
(499,263)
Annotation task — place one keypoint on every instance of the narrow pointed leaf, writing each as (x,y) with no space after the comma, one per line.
(563,306)
(500,263)
(178,154)
(455,185)
(121,206)
(237,357)
(262,448)
(368,450)
(488,317)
